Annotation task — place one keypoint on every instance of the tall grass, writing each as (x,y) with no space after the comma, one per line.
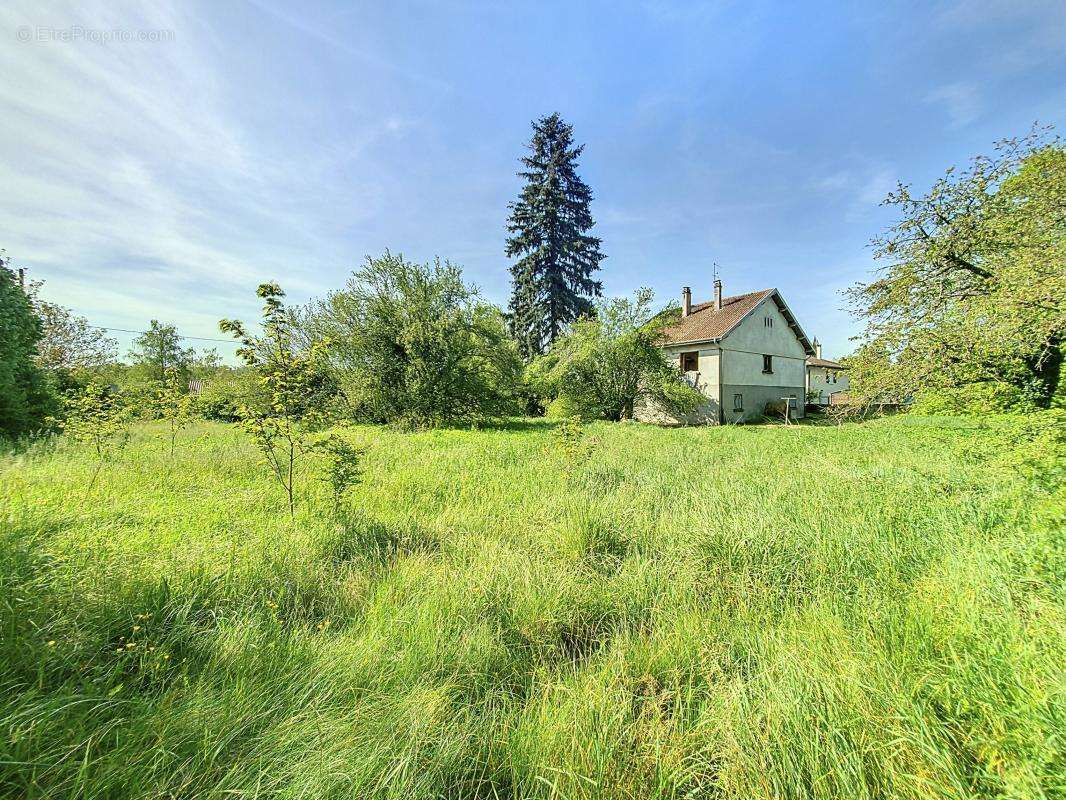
(867,611)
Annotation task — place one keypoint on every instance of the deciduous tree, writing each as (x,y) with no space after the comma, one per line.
(68,341)
(413,344)
(611,362)
(159,349)
(973,288)
(96,416)
(284,427)
(25,399)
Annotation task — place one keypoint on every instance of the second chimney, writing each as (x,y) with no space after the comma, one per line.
(686,301)
(717,294)
(817,348)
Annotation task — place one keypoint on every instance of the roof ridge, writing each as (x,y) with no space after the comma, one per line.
(732,298)
(706,323)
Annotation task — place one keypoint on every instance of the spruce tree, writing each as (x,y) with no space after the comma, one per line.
(552,281)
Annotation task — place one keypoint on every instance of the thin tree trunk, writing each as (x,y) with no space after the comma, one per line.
(292,507)
(96,473)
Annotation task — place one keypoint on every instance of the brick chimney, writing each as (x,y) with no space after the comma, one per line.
(686,301)
(817,348)
(717,294)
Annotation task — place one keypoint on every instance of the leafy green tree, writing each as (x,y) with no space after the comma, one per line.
(25,399)
(208,362)
(413,344)
(69,343)
(343,466)
(974,288)
(96,416)
(173,404)
(159,349)
(552,280)
(610,363)
(284,427)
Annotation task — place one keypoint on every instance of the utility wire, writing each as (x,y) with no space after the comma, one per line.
(180,336)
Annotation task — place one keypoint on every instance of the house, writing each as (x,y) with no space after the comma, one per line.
(825,378)
(741,353)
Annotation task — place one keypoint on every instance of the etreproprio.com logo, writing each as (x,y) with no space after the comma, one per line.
(79,33)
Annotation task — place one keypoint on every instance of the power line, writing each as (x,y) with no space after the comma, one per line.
(180,336)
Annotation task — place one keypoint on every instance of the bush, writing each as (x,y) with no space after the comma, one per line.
(224,393)
(608,365)
(412,344)
(565,408)
(992,397)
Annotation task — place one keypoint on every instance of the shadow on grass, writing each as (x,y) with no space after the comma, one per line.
(371,542)
(520,424)
(480,781)
(144,634)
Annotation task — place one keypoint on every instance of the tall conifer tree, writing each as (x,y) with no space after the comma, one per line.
(552,281)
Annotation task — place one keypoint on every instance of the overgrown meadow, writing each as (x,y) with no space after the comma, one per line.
(615,611)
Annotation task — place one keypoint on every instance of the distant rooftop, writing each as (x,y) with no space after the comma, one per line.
(824,362)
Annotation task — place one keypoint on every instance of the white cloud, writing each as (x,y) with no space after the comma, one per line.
(135,186)
(859,185)
(1037,30)
(876,185)
(835,181)
(960,101)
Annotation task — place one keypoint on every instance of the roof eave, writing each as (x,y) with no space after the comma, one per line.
(790,318)
(693,341)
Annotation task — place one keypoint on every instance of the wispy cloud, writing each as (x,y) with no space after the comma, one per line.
(859,186)
(961,102)
(1027,34)
(876,185)
(138,182)
(167,177)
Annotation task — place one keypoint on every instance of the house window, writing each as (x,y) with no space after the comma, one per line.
(690,362)
(768,364)
(738,402)
(768,322)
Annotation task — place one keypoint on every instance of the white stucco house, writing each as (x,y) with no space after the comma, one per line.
(740,352)
(825,378)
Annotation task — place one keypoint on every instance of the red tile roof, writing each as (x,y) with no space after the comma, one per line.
(705,324)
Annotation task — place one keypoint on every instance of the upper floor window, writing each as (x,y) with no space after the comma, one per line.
(690,362)
(768,322)
(768,364)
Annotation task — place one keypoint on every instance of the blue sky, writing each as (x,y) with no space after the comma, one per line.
(261,140)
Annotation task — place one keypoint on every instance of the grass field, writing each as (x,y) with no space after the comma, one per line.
(869,611)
